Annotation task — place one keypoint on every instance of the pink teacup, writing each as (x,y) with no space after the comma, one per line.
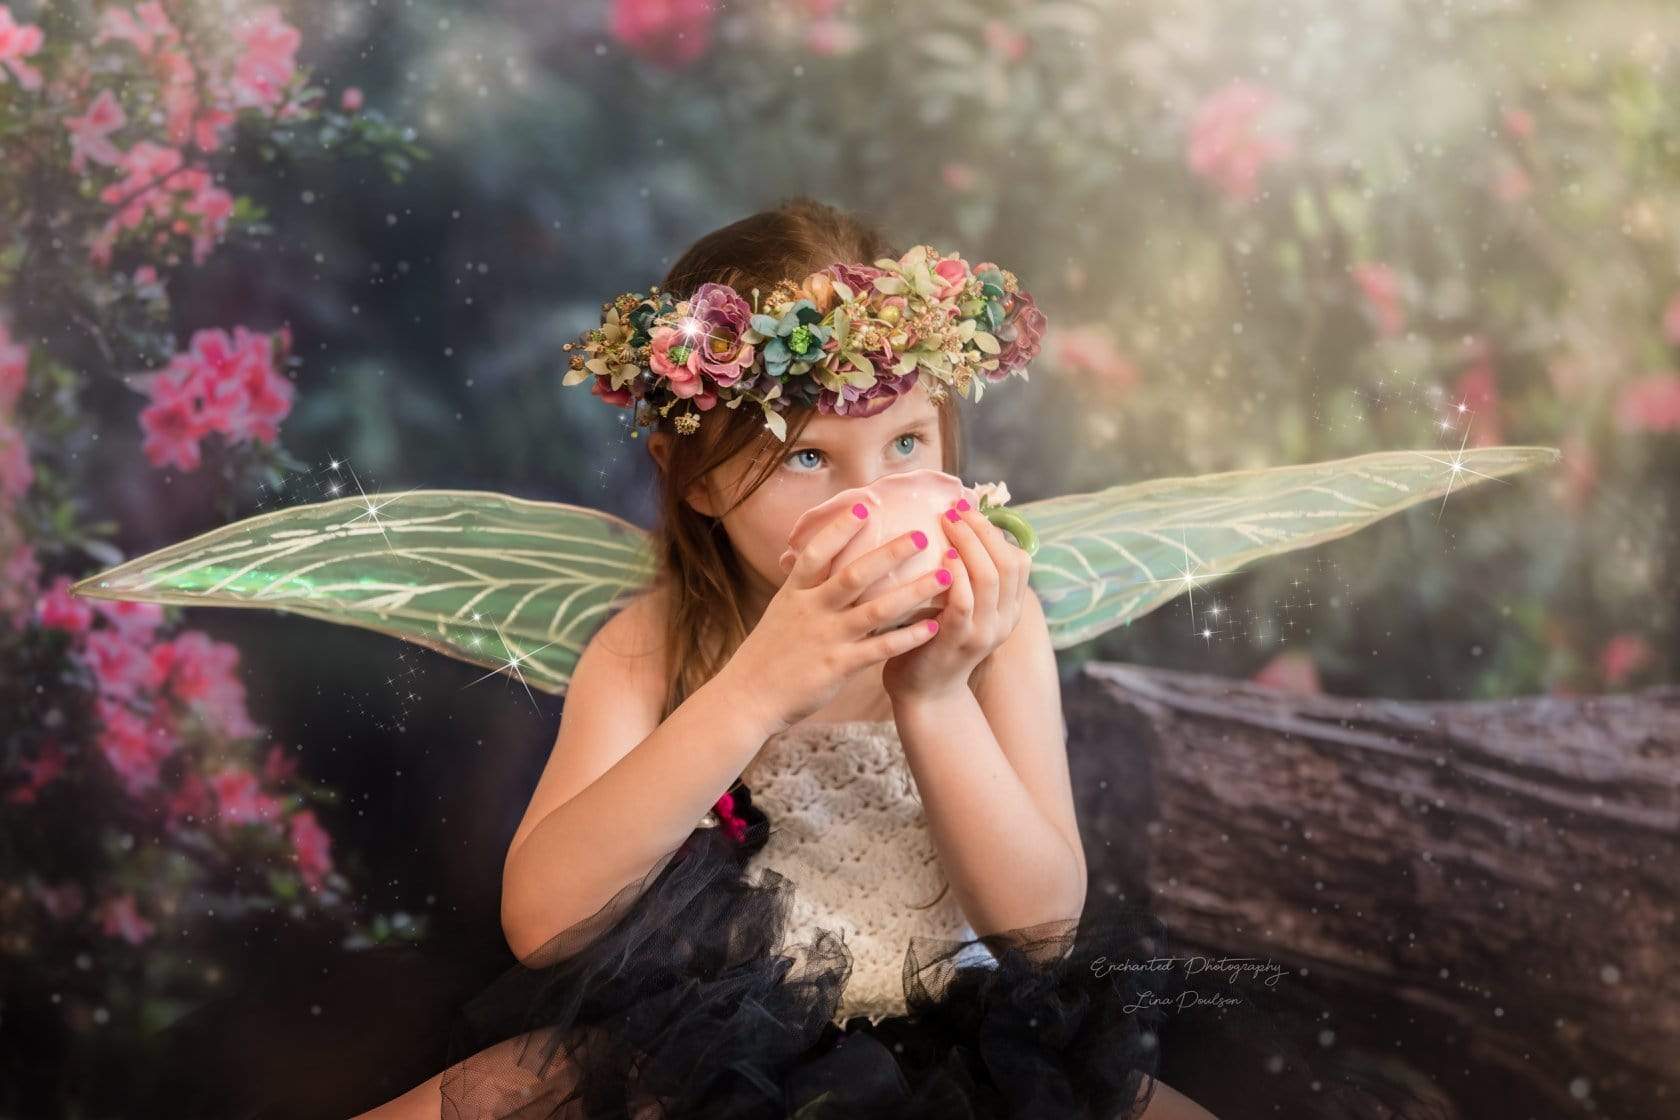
(898,504)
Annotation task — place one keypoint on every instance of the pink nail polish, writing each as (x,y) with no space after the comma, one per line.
(943,575)
(950,554)
(933,626)
(952,515)
(861,510)
(919,537)
(962,503)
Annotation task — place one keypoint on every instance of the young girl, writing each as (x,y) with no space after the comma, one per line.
(885,913)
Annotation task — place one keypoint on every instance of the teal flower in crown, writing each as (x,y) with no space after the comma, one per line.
(794,342)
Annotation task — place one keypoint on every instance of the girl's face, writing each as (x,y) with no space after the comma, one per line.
(832,454)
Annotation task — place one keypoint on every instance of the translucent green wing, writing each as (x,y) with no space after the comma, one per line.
(1108,557)
(476,575)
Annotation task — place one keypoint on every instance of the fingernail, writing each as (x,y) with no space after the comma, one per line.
(944,575)
(950,554)
(919,537)
(962,503)
(952,515)
(933,626)
(861,510)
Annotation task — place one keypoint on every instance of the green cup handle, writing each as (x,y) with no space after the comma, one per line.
(1015,525)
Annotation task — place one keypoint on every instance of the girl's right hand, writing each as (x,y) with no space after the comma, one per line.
(815,632)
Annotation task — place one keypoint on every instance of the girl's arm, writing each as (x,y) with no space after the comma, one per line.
(993,777)
(616,799)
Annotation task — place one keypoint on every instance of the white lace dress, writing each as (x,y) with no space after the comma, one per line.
(847,827)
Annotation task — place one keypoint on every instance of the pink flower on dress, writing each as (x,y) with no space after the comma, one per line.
(312,848)
(120,917)
(732,823)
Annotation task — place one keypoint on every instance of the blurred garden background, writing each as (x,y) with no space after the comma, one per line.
(255,254)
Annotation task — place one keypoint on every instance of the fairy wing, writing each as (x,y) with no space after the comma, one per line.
(485,577)
(1108,557)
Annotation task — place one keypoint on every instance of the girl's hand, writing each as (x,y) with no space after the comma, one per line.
(815,633)
(982,607)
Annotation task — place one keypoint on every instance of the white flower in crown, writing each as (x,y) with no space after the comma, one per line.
(989,495)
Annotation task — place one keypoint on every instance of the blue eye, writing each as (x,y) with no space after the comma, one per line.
(803,451)
(912,436)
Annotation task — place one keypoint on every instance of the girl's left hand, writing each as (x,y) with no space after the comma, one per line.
(982,606)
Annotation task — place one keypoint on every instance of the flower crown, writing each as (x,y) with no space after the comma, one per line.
(848,339)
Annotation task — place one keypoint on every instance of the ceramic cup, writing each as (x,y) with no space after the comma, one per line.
(898,504)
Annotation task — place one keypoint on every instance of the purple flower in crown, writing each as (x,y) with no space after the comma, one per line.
(858,403)
(1021,334)
(858,277)
(720,315)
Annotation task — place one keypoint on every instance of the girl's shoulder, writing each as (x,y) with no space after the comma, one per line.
(636,631)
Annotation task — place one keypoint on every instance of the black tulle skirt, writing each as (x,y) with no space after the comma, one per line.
(684,999)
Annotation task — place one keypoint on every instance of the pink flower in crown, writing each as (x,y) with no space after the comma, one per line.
(721,315)
(950,274)
(732,823)
(680,370)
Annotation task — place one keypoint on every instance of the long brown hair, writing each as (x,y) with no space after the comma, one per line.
(697,568)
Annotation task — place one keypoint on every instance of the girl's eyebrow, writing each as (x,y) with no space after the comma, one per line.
(924,425)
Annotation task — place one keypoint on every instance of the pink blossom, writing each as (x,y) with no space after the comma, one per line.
(669,33)
(14,368)
(19,572)
(1623,656)
(121,667)
(135,747)
(90,132)
(957,175)
(39,772)
(1671,319)
(57,609)
(351,99)
(312,848)
(120,917)
(1291,671)
(1381,287)
(1519,122)
(1226,144)
(1478,389)
(1649,404)
(1088,350)
(278,767)
(1004,40)
(144,33)
(240,799)
(218,384)
(17,474)
(829,38)
(135,621)
(61,902)
(1511,183)
(204,673)
(191,800)
(18,42)
(266,63)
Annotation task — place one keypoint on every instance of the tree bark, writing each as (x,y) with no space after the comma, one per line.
(1495,882)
